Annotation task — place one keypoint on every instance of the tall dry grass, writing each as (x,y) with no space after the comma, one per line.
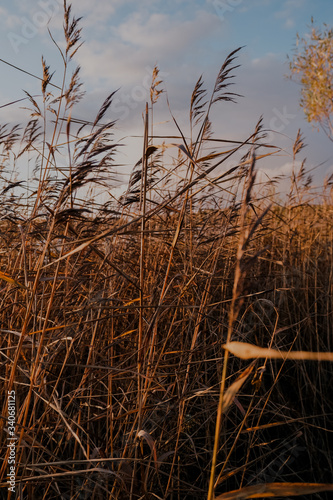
(114,316)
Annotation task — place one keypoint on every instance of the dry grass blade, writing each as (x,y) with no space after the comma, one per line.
(10,280)
(151,443)
(244,350)
(275,490)
(234,388)
(64,474)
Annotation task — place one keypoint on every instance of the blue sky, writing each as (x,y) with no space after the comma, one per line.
(124,39)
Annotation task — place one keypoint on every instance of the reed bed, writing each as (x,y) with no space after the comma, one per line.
(114,316)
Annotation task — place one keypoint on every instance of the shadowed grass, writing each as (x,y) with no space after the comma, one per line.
(114,316)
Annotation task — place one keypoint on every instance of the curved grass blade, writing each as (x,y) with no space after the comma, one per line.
(10,280)
(275,489)
(244,350)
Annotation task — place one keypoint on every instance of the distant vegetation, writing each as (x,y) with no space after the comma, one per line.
(312,66)
(114,316)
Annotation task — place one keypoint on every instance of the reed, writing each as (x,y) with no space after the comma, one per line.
(120,320)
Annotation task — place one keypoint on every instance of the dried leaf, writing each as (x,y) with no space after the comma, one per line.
(233,389)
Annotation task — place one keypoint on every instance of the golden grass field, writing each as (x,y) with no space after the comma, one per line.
(114,316)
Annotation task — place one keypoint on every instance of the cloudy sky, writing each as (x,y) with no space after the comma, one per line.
(124,39)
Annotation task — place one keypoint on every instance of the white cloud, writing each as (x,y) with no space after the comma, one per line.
(142,41)
(164,33)
(95,13)
(289,23)
(8,20)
